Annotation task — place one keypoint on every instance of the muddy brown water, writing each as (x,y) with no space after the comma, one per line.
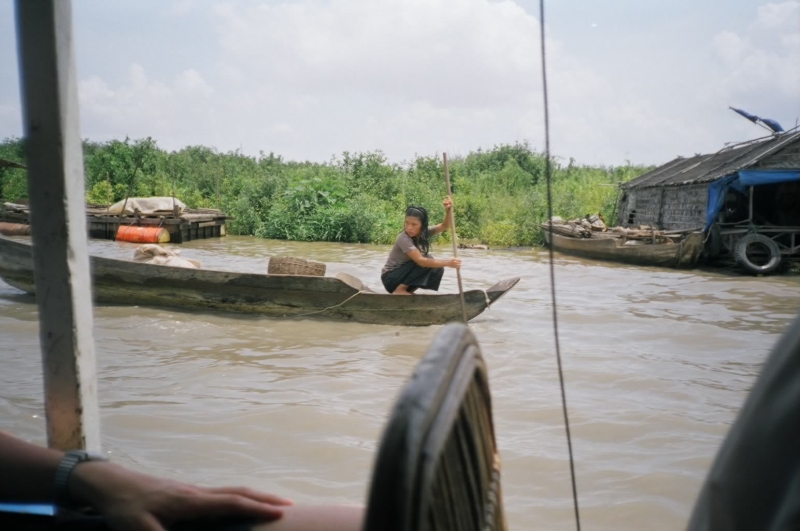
(657,363)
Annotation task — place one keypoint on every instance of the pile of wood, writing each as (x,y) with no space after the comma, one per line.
(566,228)
(14,207)
(576,228)
(480,246)
(647,233)
(595,227)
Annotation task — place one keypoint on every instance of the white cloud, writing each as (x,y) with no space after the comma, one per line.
(775,16)
(312,78)
(765,58)
(144,107)
(180,9)
(454,53)
(191,82)
(9,111)
(729,46)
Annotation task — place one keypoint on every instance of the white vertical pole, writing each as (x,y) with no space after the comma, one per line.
(58,221)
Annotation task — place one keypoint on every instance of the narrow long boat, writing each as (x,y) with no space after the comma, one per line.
(681,254)
(123,282)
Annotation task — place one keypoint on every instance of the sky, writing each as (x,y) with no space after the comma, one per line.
(629,80)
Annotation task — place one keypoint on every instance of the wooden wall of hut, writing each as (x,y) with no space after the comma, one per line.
(667,207)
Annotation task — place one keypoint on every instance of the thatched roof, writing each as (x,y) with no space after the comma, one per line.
(776,152)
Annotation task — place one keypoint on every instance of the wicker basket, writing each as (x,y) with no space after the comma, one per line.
(286,265)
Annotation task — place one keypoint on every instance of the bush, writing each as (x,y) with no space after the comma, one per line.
(499,233)
(500,193)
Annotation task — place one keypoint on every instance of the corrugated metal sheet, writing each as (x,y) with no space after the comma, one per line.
(777,152)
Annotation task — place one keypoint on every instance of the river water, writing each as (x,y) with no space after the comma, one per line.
(657,363)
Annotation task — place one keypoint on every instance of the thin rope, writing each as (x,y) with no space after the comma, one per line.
(328,308)
(548,173)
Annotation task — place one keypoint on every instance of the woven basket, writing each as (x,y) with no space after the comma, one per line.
(286,265)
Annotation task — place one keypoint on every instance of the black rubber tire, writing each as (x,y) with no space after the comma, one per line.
(744,261)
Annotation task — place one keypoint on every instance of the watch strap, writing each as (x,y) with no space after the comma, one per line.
(68,463)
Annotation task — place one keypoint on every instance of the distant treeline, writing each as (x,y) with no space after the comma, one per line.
(499,193)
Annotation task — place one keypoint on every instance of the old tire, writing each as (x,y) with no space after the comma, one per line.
(752,242)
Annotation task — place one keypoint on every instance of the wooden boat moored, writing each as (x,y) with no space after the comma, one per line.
(123,282)
(681,254)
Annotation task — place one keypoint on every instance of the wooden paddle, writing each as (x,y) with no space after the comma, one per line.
(455,238)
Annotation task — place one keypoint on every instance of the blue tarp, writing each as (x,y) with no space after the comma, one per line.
(756,177)
(769,122)
(752,117)
(740,181)
(772,124)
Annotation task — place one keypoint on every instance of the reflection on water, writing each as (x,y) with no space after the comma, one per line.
(657,362)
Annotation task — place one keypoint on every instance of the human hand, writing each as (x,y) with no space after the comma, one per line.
(131,501)
(447,203)
(455,263)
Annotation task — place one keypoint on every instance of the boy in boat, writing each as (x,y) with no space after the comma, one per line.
(410,266)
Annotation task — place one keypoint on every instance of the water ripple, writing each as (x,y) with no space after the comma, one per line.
(657,363)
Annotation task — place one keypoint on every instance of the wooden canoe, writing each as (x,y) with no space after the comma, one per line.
(123,282)
(683,254)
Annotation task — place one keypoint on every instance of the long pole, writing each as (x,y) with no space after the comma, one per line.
(455,239)
(58,222)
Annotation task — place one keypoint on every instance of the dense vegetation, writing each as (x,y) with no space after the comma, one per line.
(499,193)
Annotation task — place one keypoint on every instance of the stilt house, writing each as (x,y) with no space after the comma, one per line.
(745,197)
(756,180)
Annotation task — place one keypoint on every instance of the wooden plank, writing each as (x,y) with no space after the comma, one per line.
(197,217)
(58,218)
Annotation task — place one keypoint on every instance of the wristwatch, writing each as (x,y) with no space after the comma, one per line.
(68,463)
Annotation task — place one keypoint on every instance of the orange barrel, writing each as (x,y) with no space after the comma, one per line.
(143,234)
(14,229)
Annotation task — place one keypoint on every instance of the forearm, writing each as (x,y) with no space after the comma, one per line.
(433,263)
(127,499)
(28,471)
(448,219)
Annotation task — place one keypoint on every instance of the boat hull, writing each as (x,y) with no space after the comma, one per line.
(132,283)
(683,254)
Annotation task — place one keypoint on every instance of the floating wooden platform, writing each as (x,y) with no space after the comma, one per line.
(192,224)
